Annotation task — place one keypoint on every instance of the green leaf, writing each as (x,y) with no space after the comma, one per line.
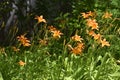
(117,74)
(1,78)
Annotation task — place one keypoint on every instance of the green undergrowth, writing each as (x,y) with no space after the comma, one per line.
(42,65)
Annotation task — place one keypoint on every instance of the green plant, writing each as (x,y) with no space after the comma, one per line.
(79,46)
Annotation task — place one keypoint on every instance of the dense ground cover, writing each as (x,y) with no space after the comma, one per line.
(77,46)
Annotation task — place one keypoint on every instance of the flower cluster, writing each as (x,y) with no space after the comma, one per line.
(98,37)
(79,45)
(76,46)
(91,22)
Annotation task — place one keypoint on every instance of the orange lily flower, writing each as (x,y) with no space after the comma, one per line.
(26,44)
(57,34)
(43,42)
(88,14)
(40,19)
(15,49)
(104,43)
(107,15)
(77,38)
(97,36)
(2,50)
(51,28)
(91,33)
(92,23)
(78,49)
(80,45)
(24,40)
(21,63)
(85,15)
